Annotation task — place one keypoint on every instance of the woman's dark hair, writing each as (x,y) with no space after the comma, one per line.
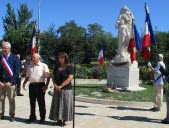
(63,54)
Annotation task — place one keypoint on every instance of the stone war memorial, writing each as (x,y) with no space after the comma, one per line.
(121,72)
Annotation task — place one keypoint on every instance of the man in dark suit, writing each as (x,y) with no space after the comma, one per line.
(9,71)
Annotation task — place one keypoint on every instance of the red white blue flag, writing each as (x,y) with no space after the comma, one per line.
(137,38)
(149,37)
(134,43)
(101,57)
(6,65)
(132,47)
(32,45)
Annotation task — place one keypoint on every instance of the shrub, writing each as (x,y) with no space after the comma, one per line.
(145,74)
(82,71)
(96,72)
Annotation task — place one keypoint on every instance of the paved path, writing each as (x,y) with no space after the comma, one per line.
(91,115)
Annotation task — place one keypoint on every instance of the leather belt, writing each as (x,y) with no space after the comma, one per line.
(35,83)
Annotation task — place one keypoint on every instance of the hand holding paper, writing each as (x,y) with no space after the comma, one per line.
(149,64)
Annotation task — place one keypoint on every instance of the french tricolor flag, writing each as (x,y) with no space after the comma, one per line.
(101,57)
(134,43)
(132,47)
(32,44)
(148,38)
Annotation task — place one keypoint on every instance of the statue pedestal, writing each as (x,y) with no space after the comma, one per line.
(123,77)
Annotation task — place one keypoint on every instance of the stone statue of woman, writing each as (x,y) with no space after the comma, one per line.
(124,25)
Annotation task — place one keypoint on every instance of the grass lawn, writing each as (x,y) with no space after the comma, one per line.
(94,91)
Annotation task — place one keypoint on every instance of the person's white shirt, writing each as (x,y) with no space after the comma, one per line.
(158,73)
(37,73)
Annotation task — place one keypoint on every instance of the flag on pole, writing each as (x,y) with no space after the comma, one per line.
(137,38)
(132,47)
(32,45)
(101,57)
(134,43)
(149,37)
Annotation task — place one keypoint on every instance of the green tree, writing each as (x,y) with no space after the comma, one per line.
(163,44)
(48,44)
(18,30)
(71,38)
(94,35)
(97,37)
(111,44)
(9,21)
(24,14)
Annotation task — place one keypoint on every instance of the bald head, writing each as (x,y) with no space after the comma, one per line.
(37,55)
(35,58)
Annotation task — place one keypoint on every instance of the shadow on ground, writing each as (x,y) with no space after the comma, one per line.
(23,120)
(135,118)
(129,108)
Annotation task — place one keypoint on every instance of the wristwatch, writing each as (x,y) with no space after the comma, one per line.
(11,81)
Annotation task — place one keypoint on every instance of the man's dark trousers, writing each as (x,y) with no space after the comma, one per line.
(36,93)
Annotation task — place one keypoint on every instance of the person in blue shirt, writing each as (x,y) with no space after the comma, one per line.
(158,84)
(9,71)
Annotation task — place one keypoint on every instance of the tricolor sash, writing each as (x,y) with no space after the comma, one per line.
(6,65)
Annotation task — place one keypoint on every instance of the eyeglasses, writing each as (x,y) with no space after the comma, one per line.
(4,48)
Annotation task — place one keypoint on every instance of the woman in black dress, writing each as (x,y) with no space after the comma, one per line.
(62,101)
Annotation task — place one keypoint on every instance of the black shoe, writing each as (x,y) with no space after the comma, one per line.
(58,123)
(2,117)
(12,119)
(30,120)
(42,121)
(152,109)
(165,121)
(156,110)
(19,94)
(50,93)
(63,124)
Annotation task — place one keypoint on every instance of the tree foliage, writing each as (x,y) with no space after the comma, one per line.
(82,45)
(163,44)
(24,14)
(97,38)
(48,41)
(18,28)
(71,38)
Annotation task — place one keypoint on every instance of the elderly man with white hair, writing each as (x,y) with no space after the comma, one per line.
(9,72)
(158,84)
(37,73)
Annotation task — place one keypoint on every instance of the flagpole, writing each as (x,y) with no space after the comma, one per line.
(38,14)
(74,91)
(74,63)
(72,55)
(39,22)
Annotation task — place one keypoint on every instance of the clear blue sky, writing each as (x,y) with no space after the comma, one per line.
(84,12)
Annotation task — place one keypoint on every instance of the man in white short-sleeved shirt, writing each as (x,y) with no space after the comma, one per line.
(36,74)
(158,84)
